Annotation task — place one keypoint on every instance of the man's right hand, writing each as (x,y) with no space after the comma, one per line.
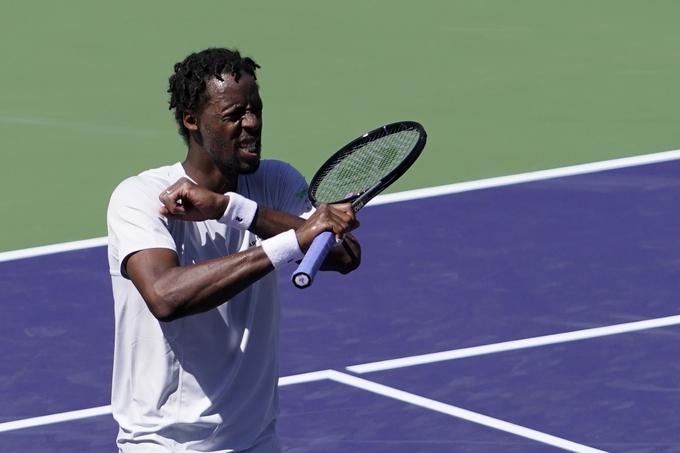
(188,201)
(337,218)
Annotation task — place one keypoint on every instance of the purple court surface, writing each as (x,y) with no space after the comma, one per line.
(538,316)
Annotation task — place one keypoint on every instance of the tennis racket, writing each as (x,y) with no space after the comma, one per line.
(356,173)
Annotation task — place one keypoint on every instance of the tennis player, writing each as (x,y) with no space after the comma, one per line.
(192,252)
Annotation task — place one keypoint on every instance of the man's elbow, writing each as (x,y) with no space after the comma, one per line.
(349,267)
(162,306)
(352,258)
(165,316)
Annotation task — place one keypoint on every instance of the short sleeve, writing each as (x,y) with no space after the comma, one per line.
(134,223)
(291,195)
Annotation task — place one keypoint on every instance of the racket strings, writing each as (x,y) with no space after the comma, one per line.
(361,167)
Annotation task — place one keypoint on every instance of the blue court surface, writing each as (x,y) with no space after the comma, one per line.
(526,317)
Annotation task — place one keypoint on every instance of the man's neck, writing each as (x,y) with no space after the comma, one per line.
(206,174)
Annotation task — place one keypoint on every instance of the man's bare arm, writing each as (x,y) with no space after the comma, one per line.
(342,258)
(204,204)
(172,291)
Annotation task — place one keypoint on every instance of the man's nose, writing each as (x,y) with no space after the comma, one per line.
(250,121)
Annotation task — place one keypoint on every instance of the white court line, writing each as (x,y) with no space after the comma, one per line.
(341,378)
(409,195)
(51,249)
(539,175)
(347,380)
(304,377)
(54,418)
(106,410)
(515,344)
(458,412)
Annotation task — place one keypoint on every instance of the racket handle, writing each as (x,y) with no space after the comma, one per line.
(321,245)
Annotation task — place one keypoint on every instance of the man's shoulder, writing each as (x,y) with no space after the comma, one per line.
(163,176)
(275,165)
(277,185)
(152,178)
(272,170)
(147,183)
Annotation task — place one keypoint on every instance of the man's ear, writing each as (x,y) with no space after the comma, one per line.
(190,121)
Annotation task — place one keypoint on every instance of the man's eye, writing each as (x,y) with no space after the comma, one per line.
(234,116)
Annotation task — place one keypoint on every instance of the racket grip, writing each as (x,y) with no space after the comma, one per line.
(321,245)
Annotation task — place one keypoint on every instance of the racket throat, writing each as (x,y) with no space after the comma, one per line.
(365,196)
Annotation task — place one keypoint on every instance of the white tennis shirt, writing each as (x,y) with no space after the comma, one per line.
(205,382)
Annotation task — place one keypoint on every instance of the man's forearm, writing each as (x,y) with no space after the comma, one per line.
(268,222)
(344,259)
(172,291)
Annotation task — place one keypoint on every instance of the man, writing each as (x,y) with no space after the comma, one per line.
(192,247)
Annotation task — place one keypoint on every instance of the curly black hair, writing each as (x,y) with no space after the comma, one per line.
(187,84)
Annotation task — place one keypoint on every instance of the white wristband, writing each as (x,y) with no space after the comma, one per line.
(282,248)
(240,212)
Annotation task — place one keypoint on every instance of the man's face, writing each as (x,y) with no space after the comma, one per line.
(230,124)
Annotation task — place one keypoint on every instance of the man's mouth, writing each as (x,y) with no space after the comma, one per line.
(250,146)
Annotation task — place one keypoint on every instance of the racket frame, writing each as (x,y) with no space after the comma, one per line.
(303,278)
(359,200)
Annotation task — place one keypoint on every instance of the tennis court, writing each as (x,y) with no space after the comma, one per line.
(557,330)
(531,312)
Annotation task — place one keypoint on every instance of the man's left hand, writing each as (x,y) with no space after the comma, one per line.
(188,201)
